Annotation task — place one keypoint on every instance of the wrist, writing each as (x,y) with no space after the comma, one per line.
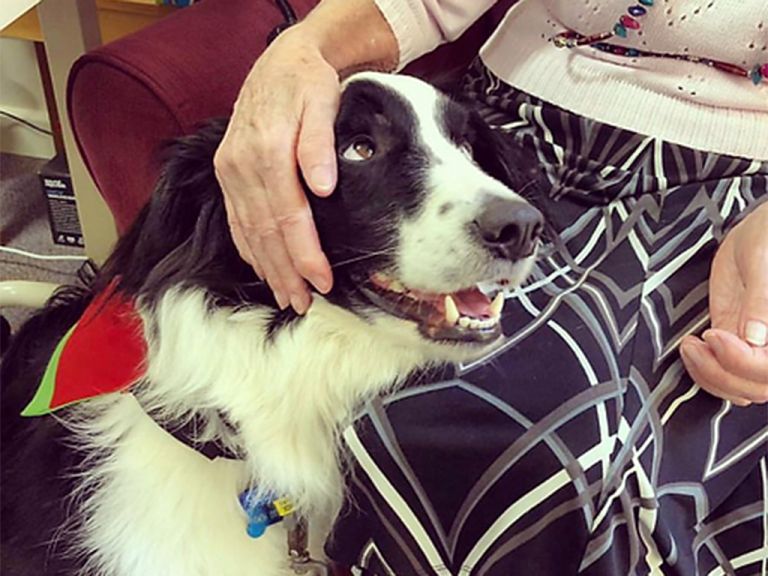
(349,36)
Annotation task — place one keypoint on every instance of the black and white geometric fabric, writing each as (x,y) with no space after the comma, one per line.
(581,445)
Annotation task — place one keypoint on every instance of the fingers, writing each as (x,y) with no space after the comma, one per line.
(251,222)
(704,368)
(754,314)
(289,287)
(281,122)
(751,249)
(732,361)
(737,357)
(272,224)
(315,150)
(292,217)
(239,239)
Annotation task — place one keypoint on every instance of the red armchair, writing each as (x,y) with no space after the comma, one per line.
(128,97)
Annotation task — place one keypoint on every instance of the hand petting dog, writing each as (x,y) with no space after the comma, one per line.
(731,361)
(283,117)
(267,209)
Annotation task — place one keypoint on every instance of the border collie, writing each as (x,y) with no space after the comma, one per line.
(425,209)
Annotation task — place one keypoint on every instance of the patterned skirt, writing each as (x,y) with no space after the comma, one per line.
(581,446)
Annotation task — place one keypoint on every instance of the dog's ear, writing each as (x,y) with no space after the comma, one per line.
(182,229)
(504,159)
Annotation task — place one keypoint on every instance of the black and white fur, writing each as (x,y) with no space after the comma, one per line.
(102,489)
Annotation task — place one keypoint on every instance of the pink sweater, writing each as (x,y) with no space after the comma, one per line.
(679,101)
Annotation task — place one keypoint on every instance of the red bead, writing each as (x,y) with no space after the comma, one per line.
(730,68)
(629,22)
(764,71)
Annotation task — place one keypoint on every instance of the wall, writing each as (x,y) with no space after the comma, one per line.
(21,93)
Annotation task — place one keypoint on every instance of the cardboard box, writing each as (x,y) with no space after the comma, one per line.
(62,206)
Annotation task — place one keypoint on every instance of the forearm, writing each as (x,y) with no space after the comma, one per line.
(351,35)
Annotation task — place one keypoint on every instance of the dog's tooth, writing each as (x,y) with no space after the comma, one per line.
(487,323)
(474,324)
(396,286)
(497,305)
(464,322)
(451,310)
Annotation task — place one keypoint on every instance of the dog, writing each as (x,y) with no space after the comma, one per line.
(427,207)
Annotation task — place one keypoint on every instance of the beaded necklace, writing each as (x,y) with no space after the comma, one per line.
(631,22)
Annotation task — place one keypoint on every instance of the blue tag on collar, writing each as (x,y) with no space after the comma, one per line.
(262,512)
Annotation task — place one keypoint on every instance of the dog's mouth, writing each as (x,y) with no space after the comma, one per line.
(467,315)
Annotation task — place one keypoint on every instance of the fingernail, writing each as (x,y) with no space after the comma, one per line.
(299,303)
(282,301)
(321,178)
(688,350)
(715,343)
(321,283)
(756,333)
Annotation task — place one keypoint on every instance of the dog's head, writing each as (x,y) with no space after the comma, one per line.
(427,207)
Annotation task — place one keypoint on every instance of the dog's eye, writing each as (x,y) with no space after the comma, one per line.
(360,150)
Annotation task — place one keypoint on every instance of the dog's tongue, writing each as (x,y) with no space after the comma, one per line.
(472,303)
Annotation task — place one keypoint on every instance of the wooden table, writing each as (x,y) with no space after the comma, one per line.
(10,10)
(69,28)
(116,18)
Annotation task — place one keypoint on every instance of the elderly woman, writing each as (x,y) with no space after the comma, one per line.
(619,430)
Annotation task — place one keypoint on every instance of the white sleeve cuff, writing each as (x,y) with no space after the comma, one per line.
(420,26)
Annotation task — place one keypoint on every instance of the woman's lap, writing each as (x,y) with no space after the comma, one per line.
(581,443)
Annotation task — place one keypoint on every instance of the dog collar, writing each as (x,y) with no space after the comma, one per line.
(188,434)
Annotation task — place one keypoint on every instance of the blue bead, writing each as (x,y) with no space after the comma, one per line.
(756,75)
(646,2)
(620,30)
(632,53)
(637,11)
(256,529)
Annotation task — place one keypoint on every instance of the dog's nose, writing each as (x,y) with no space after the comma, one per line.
(510,228)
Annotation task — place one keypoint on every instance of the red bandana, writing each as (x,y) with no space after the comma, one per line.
(103,352)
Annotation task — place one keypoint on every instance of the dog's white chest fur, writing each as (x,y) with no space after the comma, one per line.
(162,508)
(158,506)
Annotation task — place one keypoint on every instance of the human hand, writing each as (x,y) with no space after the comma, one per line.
(732,360)
(283,115)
